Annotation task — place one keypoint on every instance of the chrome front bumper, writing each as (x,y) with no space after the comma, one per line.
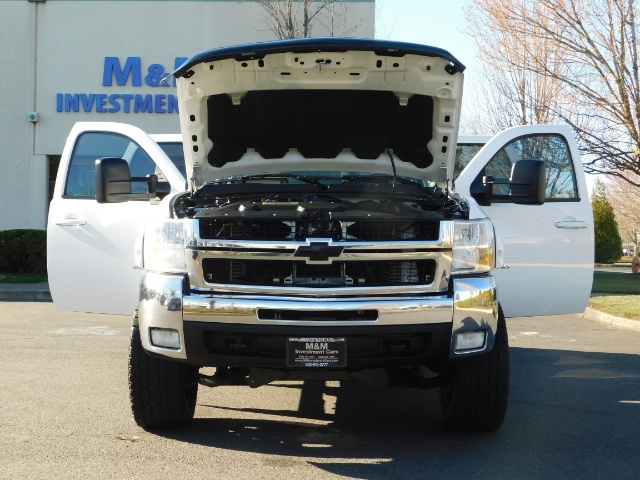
(166,304)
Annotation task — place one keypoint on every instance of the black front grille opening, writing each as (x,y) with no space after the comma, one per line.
(246,272)
(317,315)
(240,344)
(393,230)
(390,273)
(287,273)
(242,229)
(401,344)
(237,344)
(300,230)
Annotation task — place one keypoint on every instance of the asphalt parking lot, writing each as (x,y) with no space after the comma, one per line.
(574,413)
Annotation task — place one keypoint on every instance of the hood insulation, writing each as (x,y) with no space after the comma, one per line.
(320,124)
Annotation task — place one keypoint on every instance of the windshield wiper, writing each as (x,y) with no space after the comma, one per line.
(387,178)
(311,181)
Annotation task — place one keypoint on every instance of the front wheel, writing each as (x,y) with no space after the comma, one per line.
(162,392)
(474,393)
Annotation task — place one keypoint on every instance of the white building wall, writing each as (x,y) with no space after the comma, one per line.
(23,180)
(53,60)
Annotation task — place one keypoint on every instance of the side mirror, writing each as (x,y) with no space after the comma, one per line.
(155,187)
(482,192)
(528,182)
(113,180)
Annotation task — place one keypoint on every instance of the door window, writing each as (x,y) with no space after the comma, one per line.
(561,182)
(93,145)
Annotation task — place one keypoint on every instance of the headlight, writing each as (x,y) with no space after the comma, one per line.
(472,246)
(164,245)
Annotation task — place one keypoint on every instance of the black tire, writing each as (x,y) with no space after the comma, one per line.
(474,394)
(162,392)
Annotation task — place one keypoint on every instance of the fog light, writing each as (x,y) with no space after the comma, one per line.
(165,338)
(469,341)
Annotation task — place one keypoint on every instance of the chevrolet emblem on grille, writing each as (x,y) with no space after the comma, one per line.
(318,252)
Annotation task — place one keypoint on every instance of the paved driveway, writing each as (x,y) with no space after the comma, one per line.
(574,413)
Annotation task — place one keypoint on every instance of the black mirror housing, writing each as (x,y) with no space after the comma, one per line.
(528,182)
(482,192)
(113,180)
(157,188)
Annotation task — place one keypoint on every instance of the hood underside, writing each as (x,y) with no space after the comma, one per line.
(320,104)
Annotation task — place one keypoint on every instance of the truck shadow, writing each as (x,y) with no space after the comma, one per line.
(571,414)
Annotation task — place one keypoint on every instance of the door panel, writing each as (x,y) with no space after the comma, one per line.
(91,256)
(90,246)
(544,253)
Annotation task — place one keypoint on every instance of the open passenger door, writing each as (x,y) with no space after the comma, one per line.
(544,253)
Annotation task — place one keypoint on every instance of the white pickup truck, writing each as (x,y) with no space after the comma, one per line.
(322,231)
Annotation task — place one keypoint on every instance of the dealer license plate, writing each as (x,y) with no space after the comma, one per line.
(316,352)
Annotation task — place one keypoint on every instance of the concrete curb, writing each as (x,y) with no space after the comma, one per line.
(611,320)
(25,292)
(25,295)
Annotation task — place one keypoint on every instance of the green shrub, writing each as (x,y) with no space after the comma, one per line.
(608,244)
(23,251)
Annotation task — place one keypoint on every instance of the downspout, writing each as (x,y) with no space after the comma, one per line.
(35,69)
(34,112)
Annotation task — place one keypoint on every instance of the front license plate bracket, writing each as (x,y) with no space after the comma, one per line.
(316,352)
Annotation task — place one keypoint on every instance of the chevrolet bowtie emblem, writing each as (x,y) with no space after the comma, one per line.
(318,252)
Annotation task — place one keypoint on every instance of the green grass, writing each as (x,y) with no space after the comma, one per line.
(22,278)
(616,283)
(616,294)
(618,305)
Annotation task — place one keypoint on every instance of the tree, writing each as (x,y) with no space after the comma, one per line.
(607,242)
(588,50)
(625,201)
(512,93)
(296,18)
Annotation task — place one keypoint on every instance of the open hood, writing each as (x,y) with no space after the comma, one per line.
(320,104)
